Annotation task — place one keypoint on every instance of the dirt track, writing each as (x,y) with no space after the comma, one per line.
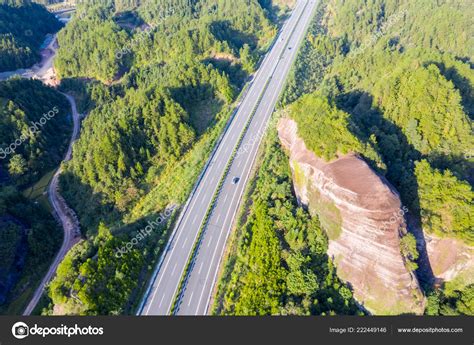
(63,214)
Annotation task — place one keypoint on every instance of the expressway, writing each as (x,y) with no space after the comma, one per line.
(250,121)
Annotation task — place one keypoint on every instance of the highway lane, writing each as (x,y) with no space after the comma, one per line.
(197,293)
(165,285)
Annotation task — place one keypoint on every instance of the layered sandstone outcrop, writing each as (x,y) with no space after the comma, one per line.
(443,259)
(450,258)
(363,218)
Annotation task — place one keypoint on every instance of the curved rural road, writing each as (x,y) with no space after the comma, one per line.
(63,214)
(42,70)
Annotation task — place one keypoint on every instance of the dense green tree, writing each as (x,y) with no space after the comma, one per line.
(327,130)
(409,251)
(23,27)
(247,58)
(29,239)
(400,83)
(446,203)
(279,265)
(264,284)
(36,146)
(17,165)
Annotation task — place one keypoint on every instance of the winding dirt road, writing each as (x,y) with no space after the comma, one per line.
(63,214)
(44,71)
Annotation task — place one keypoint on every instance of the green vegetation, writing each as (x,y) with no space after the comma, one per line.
(279,265)
(158,96)
(35,125)
(409,251)
(456,298)
(29,235)
(393,103)
(29,238)
(23,27)
(205,31)
(103,286)
(447,202)
(388,80)
(325,129)
(88,48)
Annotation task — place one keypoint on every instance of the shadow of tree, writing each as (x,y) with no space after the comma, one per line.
(462,168)
(91,207)
(399,155)
(200,102)
(237,75)
(461,83)
(223,31)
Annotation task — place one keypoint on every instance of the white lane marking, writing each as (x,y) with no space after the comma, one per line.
(190,299)
(194,220)
(235,121)
(174,269)
(200,267)
(218,216)
(213,257)
(219,164)
(185,241)
(209,243)
(246,177)
(238,164)
(225,198)
(161,302)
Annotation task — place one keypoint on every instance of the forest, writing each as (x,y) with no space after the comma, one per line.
(23,27)
(158,84)
(278,263)
(34,131)
(392,81)
(158,80)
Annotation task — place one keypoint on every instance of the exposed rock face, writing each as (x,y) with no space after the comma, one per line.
(363,218)
(449,258)
(443,259)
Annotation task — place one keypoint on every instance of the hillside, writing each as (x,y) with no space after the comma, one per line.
(398,92)
(23,28)
(388,82)
(165,81)
(34,128)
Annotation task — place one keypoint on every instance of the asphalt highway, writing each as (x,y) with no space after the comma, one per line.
(259,101)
